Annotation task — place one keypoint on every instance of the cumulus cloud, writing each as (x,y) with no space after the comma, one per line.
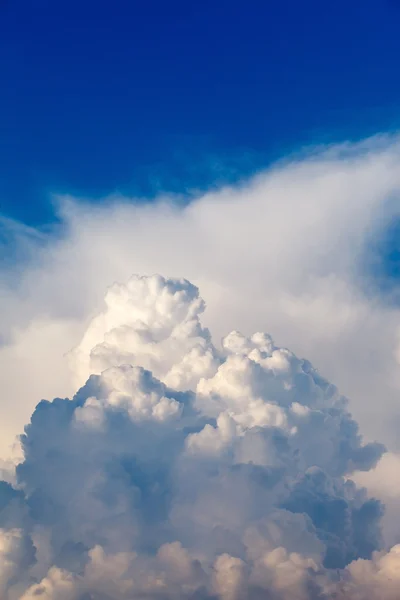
(294,251)
(202,473)
(284,251)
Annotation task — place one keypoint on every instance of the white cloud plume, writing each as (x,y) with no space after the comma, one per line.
(234,484)
(287,251)
(281,252)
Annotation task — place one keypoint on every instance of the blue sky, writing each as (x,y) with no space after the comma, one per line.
(137,97)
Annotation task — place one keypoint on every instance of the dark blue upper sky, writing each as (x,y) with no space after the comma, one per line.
(138,96)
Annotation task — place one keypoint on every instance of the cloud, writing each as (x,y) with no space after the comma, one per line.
(284,251)
(296,251)
(152,323)
(234,484)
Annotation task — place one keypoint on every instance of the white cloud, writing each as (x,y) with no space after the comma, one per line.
(283,252)
(279,252)
(238,486)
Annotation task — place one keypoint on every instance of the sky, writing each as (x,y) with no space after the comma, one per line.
(199,301)
(148,96)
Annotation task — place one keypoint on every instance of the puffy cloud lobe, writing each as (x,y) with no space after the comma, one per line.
(376,578)
(153,323)
(182,472)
